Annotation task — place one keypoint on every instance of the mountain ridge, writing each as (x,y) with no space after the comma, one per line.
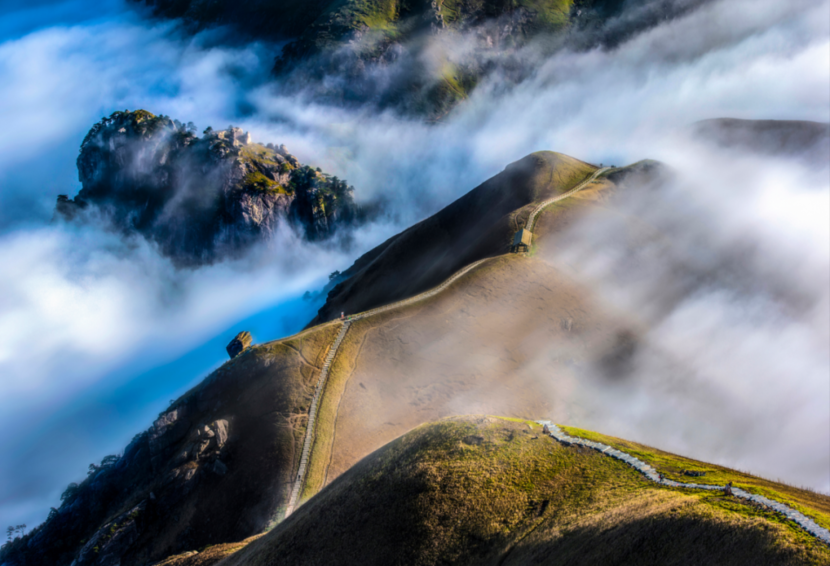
(477,225)
(244,424)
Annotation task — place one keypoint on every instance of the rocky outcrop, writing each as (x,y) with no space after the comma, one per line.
(111,541)
(120,509)
(200,199)
(239,343)
(205,443)
(168,429)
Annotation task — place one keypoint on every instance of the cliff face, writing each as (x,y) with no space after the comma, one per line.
(200,199)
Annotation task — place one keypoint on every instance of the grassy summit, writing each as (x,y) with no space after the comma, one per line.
(485,490)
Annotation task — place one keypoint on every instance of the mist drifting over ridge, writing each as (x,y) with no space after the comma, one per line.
(730,58)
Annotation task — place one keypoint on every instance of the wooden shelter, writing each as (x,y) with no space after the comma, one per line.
(522,241)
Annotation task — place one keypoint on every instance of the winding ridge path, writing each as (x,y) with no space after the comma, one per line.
(531,220)
(312,416)
(555,432)
(797,517)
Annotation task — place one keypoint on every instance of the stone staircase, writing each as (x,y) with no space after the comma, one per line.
(312,418)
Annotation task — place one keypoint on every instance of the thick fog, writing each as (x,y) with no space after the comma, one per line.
(724,270)
(97,334)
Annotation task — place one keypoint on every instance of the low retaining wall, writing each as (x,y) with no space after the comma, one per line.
(798,518)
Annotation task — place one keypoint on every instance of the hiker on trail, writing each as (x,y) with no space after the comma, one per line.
(727,489)
(342,315)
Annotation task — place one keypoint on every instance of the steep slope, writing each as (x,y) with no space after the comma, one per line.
(200,199)
(215,467)
(511,336)
(480,224)
(485,490)
(263,396)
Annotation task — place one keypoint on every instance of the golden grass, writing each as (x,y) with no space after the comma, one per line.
(811,503)
(341,370)
(208,556)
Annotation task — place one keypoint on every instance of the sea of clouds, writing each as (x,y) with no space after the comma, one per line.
(98,333)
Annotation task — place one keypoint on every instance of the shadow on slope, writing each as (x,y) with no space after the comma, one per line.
(215,467)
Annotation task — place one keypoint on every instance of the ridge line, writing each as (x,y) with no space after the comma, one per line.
(803,521)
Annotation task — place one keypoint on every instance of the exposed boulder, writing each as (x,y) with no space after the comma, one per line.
(111,541)
(239,343)
(169,428)
(220,429)
(204,442)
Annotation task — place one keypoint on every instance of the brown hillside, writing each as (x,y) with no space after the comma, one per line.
(488,491)
(507,338)
(480,224)
(264,395)
(189,497)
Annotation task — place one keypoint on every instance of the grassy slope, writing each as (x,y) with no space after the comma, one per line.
(207,556)
(479,224)
(672,467)
(482,490)
(553,173)
(341,370)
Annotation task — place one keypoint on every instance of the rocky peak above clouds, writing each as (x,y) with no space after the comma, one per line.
(200,199)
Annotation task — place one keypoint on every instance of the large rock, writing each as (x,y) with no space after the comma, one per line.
(204,442)
(220,429)
(239,343)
